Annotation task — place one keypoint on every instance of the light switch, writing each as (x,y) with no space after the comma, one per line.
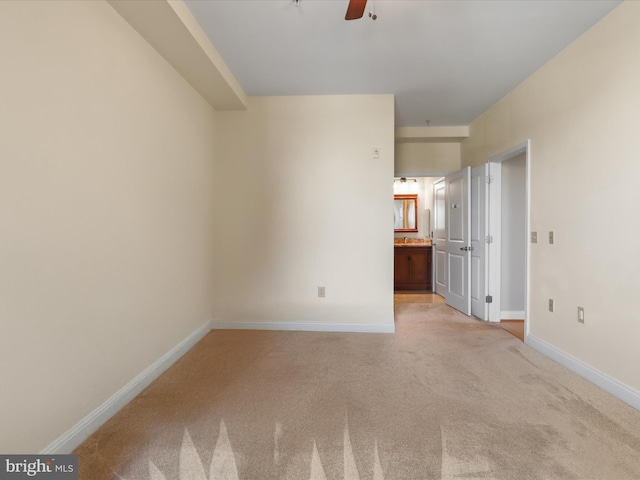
(534,237)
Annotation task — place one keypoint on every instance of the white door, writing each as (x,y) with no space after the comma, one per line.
(458,246)
(439,238)
(478,238)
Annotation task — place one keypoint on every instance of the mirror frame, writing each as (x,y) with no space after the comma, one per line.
(414,198)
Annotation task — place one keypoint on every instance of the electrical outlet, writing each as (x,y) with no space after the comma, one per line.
(376,153)
(321,292)
(550,238)
(551,305)
(580,314)
(534,237)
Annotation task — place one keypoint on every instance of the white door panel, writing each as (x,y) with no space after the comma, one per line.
(457,266)
(456,211)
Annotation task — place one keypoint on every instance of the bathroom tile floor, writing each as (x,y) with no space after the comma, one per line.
(417,296)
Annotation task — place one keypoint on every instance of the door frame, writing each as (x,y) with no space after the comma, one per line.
(495,228)
(437,176)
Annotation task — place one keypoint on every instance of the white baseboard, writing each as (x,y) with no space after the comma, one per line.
(611,385)
(512,315)
(306,327)
(89,424)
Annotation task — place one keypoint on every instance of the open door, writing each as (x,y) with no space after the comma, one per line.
(458,245)
(439,238)
(479,239)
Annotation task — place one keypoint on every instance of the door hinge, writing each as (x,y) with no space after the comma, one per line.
(489,299)
(489,239)
(489,178)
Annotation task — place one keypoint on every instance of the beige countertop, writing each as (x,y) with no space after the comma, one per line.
(412,242)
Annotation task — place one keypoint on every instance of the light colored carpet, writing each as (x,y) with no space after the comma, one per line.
(445,397)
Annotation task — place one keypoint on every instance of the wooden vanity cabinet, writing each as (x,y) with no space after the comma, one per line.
(412,268)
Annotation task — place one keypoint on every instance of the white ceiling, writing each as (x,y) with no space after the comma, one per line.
(446,61)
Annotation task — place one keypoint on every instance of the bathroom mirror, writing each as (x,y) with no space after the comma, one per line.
(405,212)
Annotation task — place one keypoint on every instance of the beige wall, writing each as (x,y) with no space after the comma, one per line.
(306,205)
(106,213)
(581,113)
(426,158)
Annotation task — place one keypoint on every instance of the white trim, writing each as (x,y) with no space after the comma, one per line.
(307,327)
(495,247)
(510,153)
(512,315)
(527,246)
(611,385)
(94,420)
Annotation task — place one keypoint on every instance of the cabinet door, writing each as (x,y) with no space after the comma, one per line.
(420,272)
(401,272)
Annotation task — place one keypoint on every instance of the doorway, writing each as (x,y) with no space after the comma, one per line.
(509,227)
(413,267)
(498,241)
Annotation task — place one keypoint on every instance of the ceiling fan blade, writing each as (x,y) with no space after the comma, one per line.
(355,9)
